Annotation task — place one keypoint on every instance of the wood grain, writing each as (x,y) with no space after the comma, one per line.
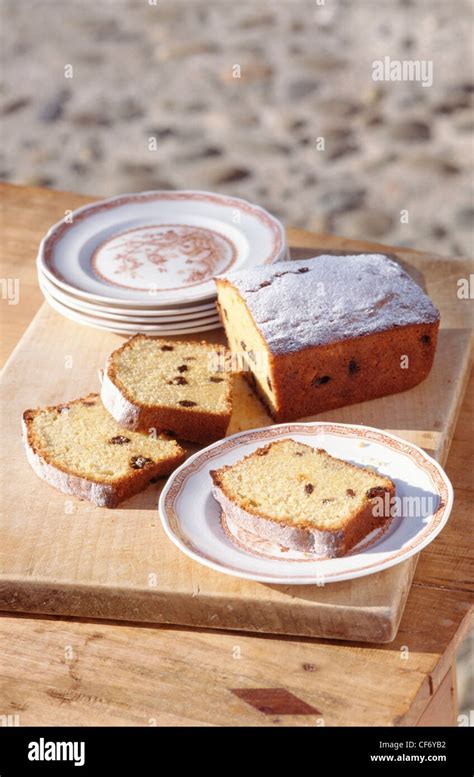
(128,674)
(101,674)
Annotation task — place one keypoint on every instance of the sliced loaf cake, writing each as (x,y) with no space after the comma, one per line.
(181,387)
(303,498)
(79,448)
(325,332)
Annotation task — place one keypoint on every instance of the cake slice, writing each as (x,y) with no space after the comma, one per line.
(303,498)
(78,448)
(182,387)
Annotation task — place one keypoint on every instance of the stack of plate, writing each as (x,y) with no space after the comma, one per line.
(145,262)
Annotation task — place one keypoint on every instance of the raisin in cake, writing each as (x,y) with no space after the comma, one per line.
(182,387)
(303,498)
(329,331)
(79,448)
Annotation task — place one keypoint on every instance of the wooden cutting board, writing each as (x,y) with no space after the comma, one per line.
(59,555)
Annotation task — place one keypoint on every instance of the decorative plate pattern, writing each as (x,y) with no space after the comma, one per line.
(164,244)
(163,257)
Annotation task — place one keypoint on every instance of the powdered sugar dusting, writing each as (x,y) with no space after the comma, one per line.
(300,304)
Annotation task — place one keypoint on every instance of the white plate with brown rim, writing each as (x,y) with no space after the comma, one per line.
(132,328)
(137,316)
(162,247)
(192,520)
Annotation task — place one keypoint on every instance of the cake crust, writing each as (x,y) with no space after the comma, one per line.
(96,490)
(188,423)
(305,536)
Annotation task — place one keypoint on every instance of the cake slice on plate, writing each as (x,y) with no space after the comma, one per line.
(182,387)
(79,448)
(303,498)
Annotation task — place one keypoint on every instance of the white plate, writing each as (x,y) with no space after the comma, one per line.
(121,307)
(117,314)
(121,328)
(191,516)
(164,243)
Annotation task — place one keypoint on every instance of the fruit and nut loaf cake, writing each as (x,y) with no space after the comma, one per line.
(329,331)
(303,498)
(79,448)
(182,387)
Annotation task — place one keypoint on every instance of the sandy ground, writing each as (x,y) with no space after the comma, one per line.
(396,159)
(393,151)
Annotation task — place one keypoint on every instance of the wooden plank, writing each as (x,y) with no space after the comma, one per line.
(39,575)
(26,213)
(442,709)
(99,674)
(67,557)
(449,561)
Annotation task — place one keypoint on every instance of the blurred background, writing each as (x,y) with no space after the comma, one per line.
(235,97)
(165,69)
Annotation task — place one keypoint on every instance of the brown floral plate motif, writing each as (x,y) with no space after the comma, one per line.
(155,249)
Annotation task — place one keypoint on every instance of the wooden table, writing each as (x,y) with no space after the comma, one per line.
(58,671)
